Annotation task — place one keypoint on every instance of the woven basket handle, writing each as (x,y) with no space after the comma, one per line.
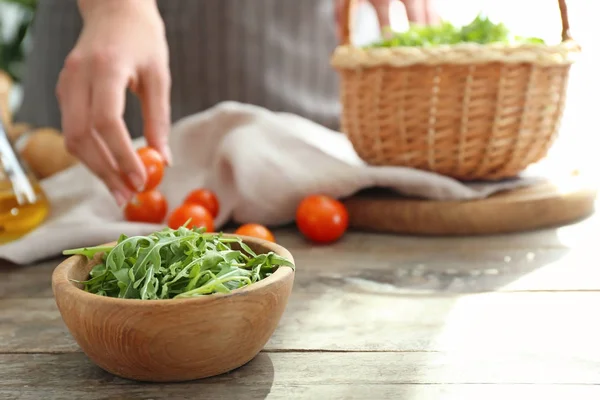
(348,6)
(564,16)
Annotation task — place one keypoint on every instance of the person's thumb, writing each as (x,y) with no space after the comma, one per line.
(155,96)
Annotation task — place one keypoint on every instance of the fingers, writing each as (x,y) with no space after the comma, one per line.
(74,94)
(430,13)
(99,160)
(108,107)
(155,95)
(382,9)
(416,11)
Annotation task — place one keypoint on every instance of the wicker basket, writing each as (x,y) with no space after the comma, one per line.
(467,111)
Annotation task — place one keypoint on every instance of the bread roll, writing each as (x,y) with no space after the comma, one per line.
(45,152)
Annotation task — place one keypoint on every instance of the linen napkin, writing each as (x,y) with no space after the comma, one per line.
(259,163)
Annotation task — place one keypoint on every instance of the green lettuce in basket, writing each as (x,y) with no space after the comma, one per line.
(481,30)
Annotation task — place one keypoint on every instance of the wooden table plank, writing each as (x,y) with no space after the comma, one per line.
(348,319)
(452,271)
(343,319)
(403,269)
(317,375)
(398,317)
(302,391)
(27,281)
(33,325)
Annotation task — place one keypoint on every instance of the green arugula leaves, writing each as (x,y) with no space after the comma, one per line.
(175,264)
(481,30)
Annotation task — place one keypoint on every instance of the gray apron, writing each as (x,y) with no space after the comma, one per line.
(271,53)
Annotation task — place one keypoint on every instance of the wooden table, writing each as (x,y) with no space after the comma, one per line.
(372,317)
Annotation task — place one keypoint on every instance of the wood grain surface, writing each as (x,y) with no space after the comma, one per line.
(543,205)
(318,376)
(373,316)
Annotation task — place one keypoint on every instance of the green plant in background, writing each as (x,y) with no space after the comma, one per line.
(12,50)
(481,30)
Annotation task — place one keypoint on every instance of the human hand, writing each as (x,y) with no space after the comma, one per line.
(417,11)
(122,46)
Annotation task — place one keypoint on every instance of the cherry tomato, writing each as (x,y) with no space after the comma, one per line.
(154,166)
(198,215)
(255,230)
(150,207)
(205,198)
(321,219)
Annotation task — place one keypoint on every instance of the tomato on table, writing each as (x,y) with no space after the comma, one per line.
(150,207)
(257,231)
(198,216)
(205,198)
(322,219)
(153,165)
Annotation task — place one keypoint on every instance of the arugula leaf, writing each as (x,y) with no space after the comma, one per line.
(176,264)
(89,252)
(481,30)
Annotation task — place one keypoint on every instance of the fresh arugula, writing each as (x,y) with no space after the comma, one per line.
(176,264)
(481,30)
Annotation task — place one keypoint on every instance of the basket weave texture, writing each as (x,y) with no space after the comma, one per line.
(468,111)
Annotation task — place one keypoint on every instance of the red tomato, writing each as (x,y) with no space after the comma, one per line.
(154,166)
(205,198)
(255,230)
(321,219)
(199,217)
(150,207)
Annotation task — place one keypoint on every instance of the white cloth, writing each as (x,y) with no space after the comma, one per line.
(260,164)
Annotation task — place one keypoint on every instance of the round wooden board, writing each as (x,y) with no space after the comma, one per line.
(543,205)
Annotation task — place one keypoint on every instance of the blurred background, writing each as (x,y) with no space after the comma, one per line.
(540,18)
(16,17)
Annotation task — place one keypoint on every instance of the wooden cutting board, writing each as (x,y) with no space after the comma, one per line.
(548,204)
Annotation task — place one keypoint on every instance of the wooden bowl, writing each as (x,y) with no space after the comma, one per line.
(173,340)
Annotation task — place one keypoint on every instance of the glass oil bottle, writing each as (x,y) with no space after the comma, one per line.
(23,203)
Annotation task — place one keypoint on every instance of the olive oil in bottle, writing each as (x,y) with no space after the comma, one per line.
(23,204)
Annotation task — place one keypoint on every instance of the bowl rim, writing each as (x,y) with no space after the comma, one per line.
(67,288)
